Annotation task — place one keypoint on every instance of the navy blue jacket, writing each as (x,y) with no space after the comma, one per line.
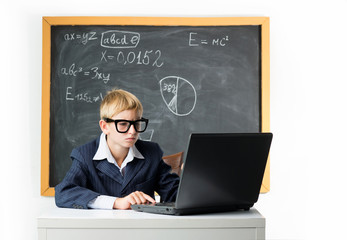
(87,179)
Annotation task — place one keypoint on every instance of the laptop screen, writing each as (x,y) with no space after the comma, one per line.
(223,169)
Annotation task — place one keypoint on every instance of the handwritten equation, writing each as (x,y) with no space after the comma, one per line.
(147,57)
(82,97)
(195,40)
(94,72)
(84,38)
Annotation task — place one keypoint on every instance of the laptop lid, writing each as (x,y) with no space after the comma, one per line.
(223,171)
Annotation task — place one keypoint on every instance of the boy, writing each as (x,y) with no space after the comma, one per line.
(117,170)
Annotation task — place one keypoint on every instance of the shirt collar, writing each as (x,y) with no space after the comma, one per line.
(104,152)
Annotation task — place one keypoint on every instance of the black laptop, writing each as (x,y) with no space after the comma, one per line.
(221,172)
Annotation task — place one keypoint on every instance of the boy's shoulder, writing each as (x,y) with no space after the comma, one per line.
(87,150)
(142,145)
(148,149)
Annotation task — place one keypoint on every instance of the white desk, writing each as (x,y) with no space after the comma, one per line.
(76,224)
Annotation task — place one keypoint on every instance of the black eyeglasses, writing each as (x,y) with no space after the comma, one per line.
(122,126)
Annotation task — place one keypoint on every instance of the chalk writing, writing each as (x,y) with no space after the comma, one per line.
(83,38)
(178,94)
(105,77)
(148,57)
(195,41)
(83,97)
(119,39)
(71,71)
(94,72)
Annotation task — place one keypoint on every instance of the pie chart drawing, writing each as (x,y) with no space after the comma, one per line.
(178,94)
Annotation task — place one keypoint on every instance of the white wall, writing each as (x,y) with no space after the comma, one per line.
(308,107)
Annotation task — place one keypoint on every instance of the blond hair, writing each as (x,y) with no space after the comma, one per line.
(118,100)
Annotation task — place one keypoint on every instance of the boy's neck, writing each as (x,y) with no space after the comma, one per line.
(119,155)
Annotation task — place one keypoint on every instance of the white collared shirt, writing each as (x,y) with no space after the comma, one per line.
(103,152)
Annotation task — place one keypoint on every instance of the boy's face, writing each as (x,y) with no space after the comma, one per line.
(118,140)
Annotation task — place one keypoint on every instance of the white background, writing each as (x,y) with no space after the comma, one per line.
(308,46)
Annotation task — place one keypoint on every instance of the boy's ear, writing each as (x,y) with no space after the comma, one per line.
(104,127)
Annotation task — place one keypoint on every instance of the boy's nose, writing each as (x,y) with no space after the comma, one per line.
(132,129)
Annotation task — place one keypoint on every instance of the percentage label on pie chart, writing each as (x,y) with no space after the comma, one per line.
(178,94)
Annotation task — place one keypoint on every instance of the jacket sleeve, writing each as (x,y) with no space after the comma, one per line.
(72,192)
(167,185)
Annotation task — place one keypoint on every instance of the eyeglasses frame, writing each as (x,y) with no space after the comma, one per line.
(108,120)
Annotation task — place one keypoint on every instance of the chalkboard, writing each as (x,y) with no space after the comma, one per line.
(189,78)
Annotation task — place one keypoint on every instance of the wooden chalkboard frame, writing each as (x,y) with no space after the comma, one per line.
(47,22)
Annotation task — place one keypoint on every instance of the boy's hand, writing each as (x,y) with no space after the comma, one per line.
(133,198)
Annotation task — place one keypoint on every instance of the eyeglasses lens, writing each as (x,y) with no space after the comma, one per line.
(123,126)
